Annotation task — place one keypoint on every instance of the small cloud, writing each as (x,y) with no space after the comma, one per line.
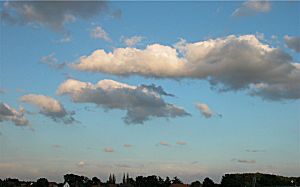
(7,113)
(163,143)
(205,110)
(251,7)
(127,145)
(255,150)
(181,143)
(108,150)
(56,146)
(52,61)
(292,42)
(132,41)
(50,107)
(244,161)
(99,33)
(81,164)
(67,38)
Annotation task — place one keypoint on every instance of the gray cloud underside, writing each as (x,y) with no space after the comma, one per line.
(7,113)
(229,63)
(52,14)
(140,102)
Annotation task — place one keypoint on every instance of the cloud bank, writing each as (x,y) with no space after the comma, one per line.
(49,107)
(293,42)
(229,63)
(139,102)
(51,14)
(7,113)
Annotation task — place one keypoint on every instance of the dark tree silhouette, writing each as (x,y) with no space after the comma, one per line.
(196,184)
(208,182)
(167,182)
(176,180)
(96,181)
(42,182)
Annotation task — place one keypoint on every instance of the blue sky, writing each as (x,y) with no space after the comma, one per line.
(247,122)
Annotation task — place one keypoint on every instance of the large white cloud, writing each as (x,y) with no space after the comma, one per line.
(7,113)
(50,108)
(232,62)
(52,14)
(293,42)
(140,102)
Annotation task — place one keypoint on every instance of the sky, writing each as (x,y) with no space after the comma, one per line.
(187,89)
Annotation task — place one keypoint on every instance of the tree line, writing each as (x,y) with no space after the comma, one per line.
(228,180)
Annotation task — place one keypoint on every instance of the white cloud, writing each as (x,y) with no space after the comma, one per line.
(251,7)
(293,42)
(7,113)
(132,41)
(51,14)
(232,62)
(108,150)
(49,107)
(181,143)
(205,110)
(52,61)
(139,102)
(99,33)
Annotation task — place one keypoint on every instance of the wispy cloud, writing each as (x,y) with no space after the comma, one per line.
(251,7)
(127,145)
(56,146)
(52,61)
(255,150)
(181,143)
(99,33)
(243,161)
(132,41)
